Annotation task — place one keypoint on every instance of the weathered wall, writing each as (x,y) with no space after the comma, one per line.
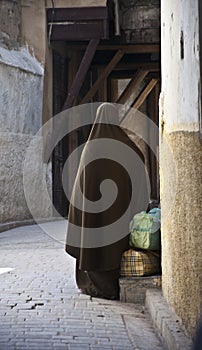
(9,23)
(21,91)
(140,20)
(181,168)
(33,27)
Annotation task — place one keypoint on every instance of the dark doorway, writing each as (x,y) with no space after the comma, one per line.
(114,72)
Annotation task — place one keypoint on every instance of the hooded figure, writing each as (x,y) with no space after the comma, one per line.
(109,189)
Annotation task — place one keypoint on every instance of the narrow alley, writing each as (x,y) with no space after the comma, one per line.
(61,61)
(41,307)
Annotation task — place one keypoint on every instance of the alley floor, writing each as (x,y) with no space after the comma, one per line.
(42,308)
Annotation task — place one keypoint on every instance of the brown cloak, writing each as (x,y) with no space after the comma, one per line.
(103,251)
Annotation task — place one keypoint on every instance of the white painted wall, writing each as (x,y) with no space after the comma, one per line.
(180,162)
(180,84)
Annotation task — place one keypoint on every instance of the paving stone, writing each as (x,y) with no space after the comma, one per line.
(41,307)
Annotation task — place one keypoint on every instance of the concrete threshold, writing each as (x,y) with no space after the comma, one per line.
(167,323)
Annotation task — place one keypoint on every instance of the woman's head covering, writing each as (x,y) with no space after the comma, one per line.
(106,123)
(107,113)
(107,117)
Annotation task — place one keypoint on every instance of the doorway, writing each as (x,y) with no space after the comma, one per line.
(100,68)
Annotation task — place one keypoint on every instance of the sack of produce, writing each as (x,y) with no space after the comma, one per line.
(145,230)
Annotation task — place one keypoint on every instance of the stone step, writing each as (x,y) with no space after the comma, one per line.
(133,289)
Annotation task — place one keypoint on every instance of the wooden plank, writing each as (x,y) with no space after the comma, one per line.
(77,14)
(143,95)
(153,163)
(78,31)
(104,75)
(94,76)
(143,48)
(133,84)
(127,74)
(200,57)
(150,66)
(127,48)
(81,73)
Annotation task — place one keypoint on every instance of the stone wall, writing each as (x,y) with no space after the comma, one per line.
(181,229)
(181,161)
(21,93)
(21,99)
(140,20)
(9,23)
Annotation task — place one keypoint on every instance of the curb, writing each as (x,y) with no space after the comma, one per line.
(14,224)
(167,323)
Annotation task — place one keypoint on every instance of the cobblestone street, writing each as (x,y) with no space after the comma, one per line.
(41,307)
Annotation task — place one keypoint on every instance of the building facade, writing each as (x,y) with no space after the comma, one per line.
(181,192)
(32,69)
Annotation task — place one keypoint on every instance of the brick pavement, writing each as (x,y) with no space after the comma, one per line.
(41,307)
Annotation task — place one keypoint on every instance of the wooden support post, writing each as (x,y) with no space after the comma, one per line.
(104,75)
(153,164)
(133,84)
(113,90)
(81,73)
(200,57)
(143,95)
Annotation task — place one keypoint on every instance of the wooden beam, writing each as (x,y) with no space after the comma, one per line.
(152,159)
(81,73)
(77,31)
(104,75)
(128,74)
(143,48)
(200,57)
(150,66)
(127,48)
(143,95)
(84,23)
(133,84)
(77,14)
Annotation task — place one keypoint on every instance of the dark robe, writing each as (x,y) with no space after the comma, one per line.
(98,257)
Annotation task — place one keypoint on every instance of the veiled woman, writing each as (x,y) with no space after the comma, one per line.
(109,189)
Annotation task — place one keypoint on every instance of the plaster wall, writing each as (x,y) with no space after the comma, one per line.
(181,161)
(180,65)
(21,92)
(10,23)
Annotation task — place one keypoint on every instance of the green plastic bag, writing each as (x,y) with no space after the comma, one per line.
(145,230)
